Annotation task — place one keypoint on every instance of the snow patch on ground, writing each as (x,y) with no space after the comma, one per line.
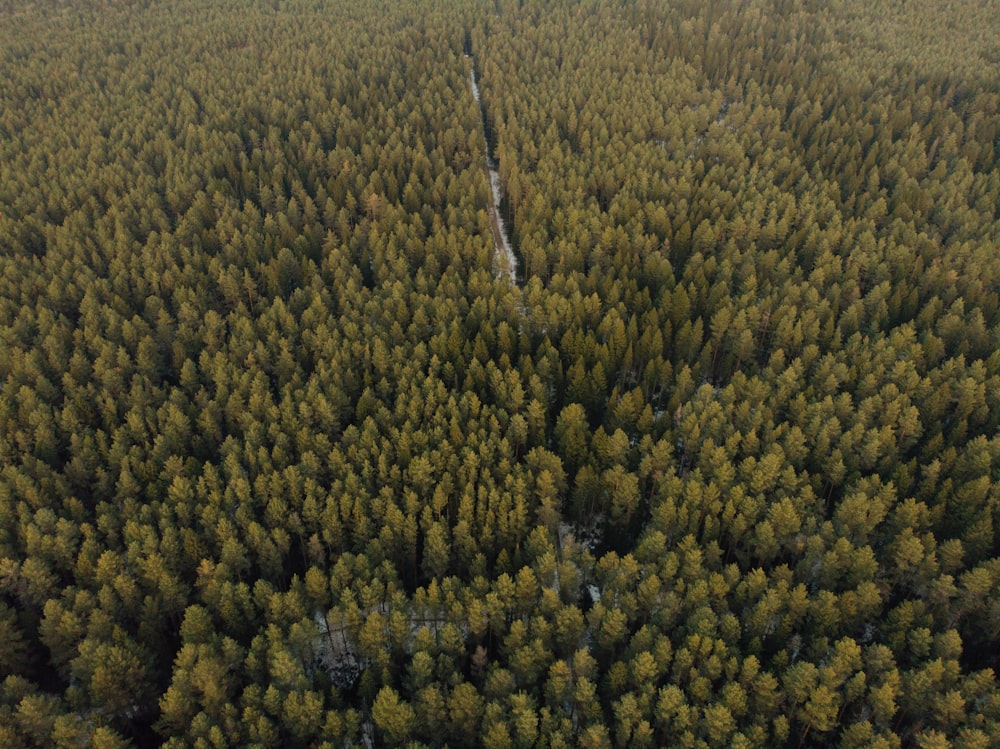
(335,654)
(588,537)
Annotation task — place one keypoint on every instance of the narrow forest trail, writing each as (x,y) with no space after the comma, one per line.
(506,262)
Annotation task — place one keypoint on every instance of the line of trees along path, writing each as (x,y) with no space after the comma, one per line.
(506,262)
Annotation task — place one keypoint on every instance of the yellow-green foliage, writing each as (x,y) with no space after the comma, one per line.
(283,461)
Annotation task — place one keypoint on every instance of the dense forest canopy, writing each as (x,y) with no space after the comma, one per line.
(956,39)
(287,460)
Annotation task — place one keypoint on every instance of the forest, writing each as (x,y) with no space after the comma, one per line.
(291,455)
